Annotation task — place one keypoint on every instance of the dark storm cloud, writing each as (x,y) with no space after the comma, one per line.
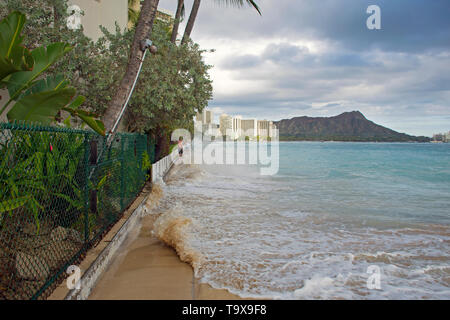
(311,57)
(241,62)
(407,25)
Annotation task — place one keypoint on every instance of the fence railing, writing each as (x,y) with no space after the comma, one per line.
(57,199)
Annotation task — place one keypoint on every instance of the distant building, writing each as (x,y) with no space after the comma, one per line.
(263,128)
(441,137)
(166,16)
(161,14)
(226,124)
(438,137)
(237,127)
(249,128)
(206,117)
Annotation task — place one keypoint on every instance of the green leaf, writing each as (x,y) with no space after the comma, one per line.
(13,56)
(21,61)
(67,122)
(87,117)
(10,30)
(43,59)
(74,203)
(77,102)
(11,204)
(95,125)
(41,107)
(47,84)
(102,182)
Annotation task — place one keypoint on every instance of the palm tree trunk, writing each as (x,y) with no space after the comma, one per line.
(162,143)
(191,21)
(143,31)
(176,23)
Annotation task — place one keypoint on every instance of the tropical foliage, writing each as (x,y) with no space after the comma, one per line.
(174,85)
(37,170)
(35,97)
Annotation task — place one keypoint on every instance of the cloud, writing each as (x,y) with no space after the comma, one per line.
(318,58)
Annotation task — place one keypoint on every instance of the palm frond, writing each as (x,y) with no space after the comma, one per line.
(240,3)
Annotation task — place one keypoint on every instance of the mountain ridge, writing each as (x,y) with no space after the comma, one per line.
(347,126)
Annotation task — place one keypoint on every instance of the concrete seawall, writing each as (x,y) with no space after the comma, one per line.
(113,242)
(161,167)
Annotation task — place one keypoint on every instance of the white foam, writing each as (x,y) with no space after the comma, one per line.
(258,239)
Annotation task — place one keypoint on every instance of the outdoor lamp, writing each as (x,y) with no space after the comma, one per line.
(148,44)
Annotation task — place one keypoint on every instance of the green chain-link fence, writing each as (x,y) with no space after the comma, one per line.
(60,192)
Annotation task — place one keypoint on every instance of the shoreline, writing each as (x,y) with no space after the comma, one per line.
(148,269)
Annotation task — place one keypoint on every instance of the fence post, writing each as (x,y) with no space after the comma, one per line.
(93,192)
(87,148)
(122,173)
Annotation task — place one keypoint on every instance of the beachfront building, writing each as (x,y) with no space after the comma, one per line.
(438,137)
(206,117)
(273,130)
(263,128)
(226,124)
(266,129)
(237,127)
(249,128)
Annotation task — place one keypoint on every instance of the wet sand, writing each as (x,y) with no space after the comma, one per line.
(147,269)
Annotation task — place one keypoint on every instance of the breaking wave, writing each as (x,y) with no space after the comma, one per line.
(173,229)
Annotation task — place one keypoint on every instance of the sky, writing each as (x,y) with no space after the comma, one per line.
(318,58)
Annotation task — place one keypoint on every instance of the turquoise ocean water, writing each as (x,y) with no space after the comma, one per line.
(314,230)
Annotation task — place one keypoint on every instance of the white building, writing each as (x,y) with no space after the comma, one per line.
(249,128)
(226,124)
(99,13)
(263,128)
(206,117)
(237,127)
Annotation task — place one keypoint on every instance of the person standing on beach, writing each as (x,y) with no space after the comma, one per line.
(180,147)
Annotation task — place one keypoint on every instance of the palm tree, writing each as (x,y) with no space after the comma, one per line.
(178,16)
(143,31)
(194,11)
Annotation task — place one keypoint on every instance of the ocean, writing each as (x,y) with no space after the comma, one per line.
(339,220)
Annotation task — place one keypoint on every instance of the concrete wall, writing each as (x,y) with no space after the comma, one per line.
(161,167)
(102,12)
(106,256)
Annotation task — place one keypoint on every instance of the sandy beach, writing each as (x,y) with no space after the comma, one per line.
(146,269)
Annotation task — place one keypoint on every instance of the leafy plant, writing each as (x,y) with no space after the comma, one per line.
(36,98)
(13,56)
(40,172)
